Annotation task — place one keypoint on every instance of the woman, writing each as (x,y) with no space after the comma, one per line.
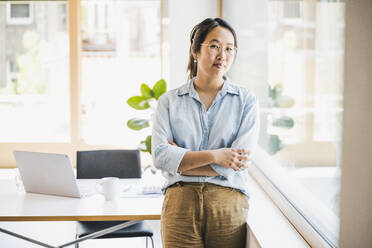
(202,135)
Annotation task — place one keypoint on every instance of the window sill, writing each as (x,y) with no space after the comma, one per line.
(268,227)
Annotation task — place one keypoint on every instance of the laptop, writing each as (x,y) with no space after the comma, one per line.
(49,173)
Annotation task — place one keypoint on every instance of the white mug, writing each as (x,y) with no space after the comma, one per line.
(109,188)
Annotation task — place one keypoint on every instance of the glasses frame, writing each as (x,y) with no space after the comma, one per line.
(219,50)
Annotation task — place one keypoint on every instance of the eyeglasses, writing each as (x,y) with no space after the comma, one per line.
(215,49)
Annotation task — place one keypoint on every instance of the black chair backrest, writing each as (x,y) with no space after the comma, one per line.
(108,163)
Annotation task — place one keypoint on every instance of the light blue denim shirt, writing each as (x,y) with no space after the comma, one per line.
(231,121)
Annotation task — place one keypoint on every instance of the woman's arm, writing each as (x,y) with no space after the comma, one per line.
(198,161)
(194,160)
(206,171)
(165,156)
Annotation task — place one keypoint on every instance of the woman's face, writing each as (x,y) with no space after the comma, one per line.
(216,54)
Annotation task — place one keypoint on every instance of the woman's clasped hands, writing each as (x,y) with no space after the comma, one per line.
(231,158)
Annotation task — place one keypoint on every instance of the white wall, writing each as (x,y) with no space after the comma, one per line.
(183,16)
(356,180)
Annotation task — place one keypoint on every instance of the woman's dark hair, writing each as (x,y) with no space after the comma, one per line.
(197,37)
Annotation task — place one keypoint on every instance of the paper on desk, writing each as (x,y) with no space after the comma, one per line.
(142,191)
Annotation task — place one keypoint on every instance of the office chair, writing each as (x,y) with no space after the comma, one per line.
(110,163)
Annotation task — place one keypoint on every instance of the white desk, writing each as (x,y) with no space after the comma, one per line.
(16,205)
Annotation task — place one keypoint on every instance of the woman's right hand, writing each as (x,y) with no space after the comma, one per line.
(231,158)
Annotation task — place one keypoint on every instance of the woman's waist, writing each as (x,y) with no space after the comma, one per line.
(206,183)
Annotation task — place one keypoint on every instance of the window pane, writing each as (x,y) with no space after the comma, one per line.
(34,74)
(20,10)
(121,50)
(291,53)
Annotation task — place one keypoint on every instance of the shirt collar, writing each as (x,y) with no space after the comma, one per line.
(188,88)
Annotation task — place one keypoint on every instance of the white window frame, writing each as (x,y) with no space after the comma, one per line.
(19,20)
(76,140)
(268,173)
(295,21)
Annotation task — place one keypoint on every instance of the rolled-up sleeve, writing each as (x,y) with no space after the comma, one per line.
(166,157)
(247,136)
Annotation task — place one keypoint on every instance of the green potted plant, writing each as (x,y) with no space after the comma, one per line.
(147,100)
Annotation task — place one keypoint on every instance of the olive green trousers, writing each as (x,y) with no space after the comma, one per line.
(203,215)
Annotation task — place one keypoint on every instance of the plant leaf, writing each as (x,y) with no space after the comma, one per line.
(138,102)
(284,122)
(138,124)
(275,144)
(278,89)
(159,88)
(146,91)
(148,144)
(275,91)
(142,146)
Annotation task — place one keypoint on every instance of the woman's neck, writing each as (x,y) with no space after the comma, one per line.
(203,84)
